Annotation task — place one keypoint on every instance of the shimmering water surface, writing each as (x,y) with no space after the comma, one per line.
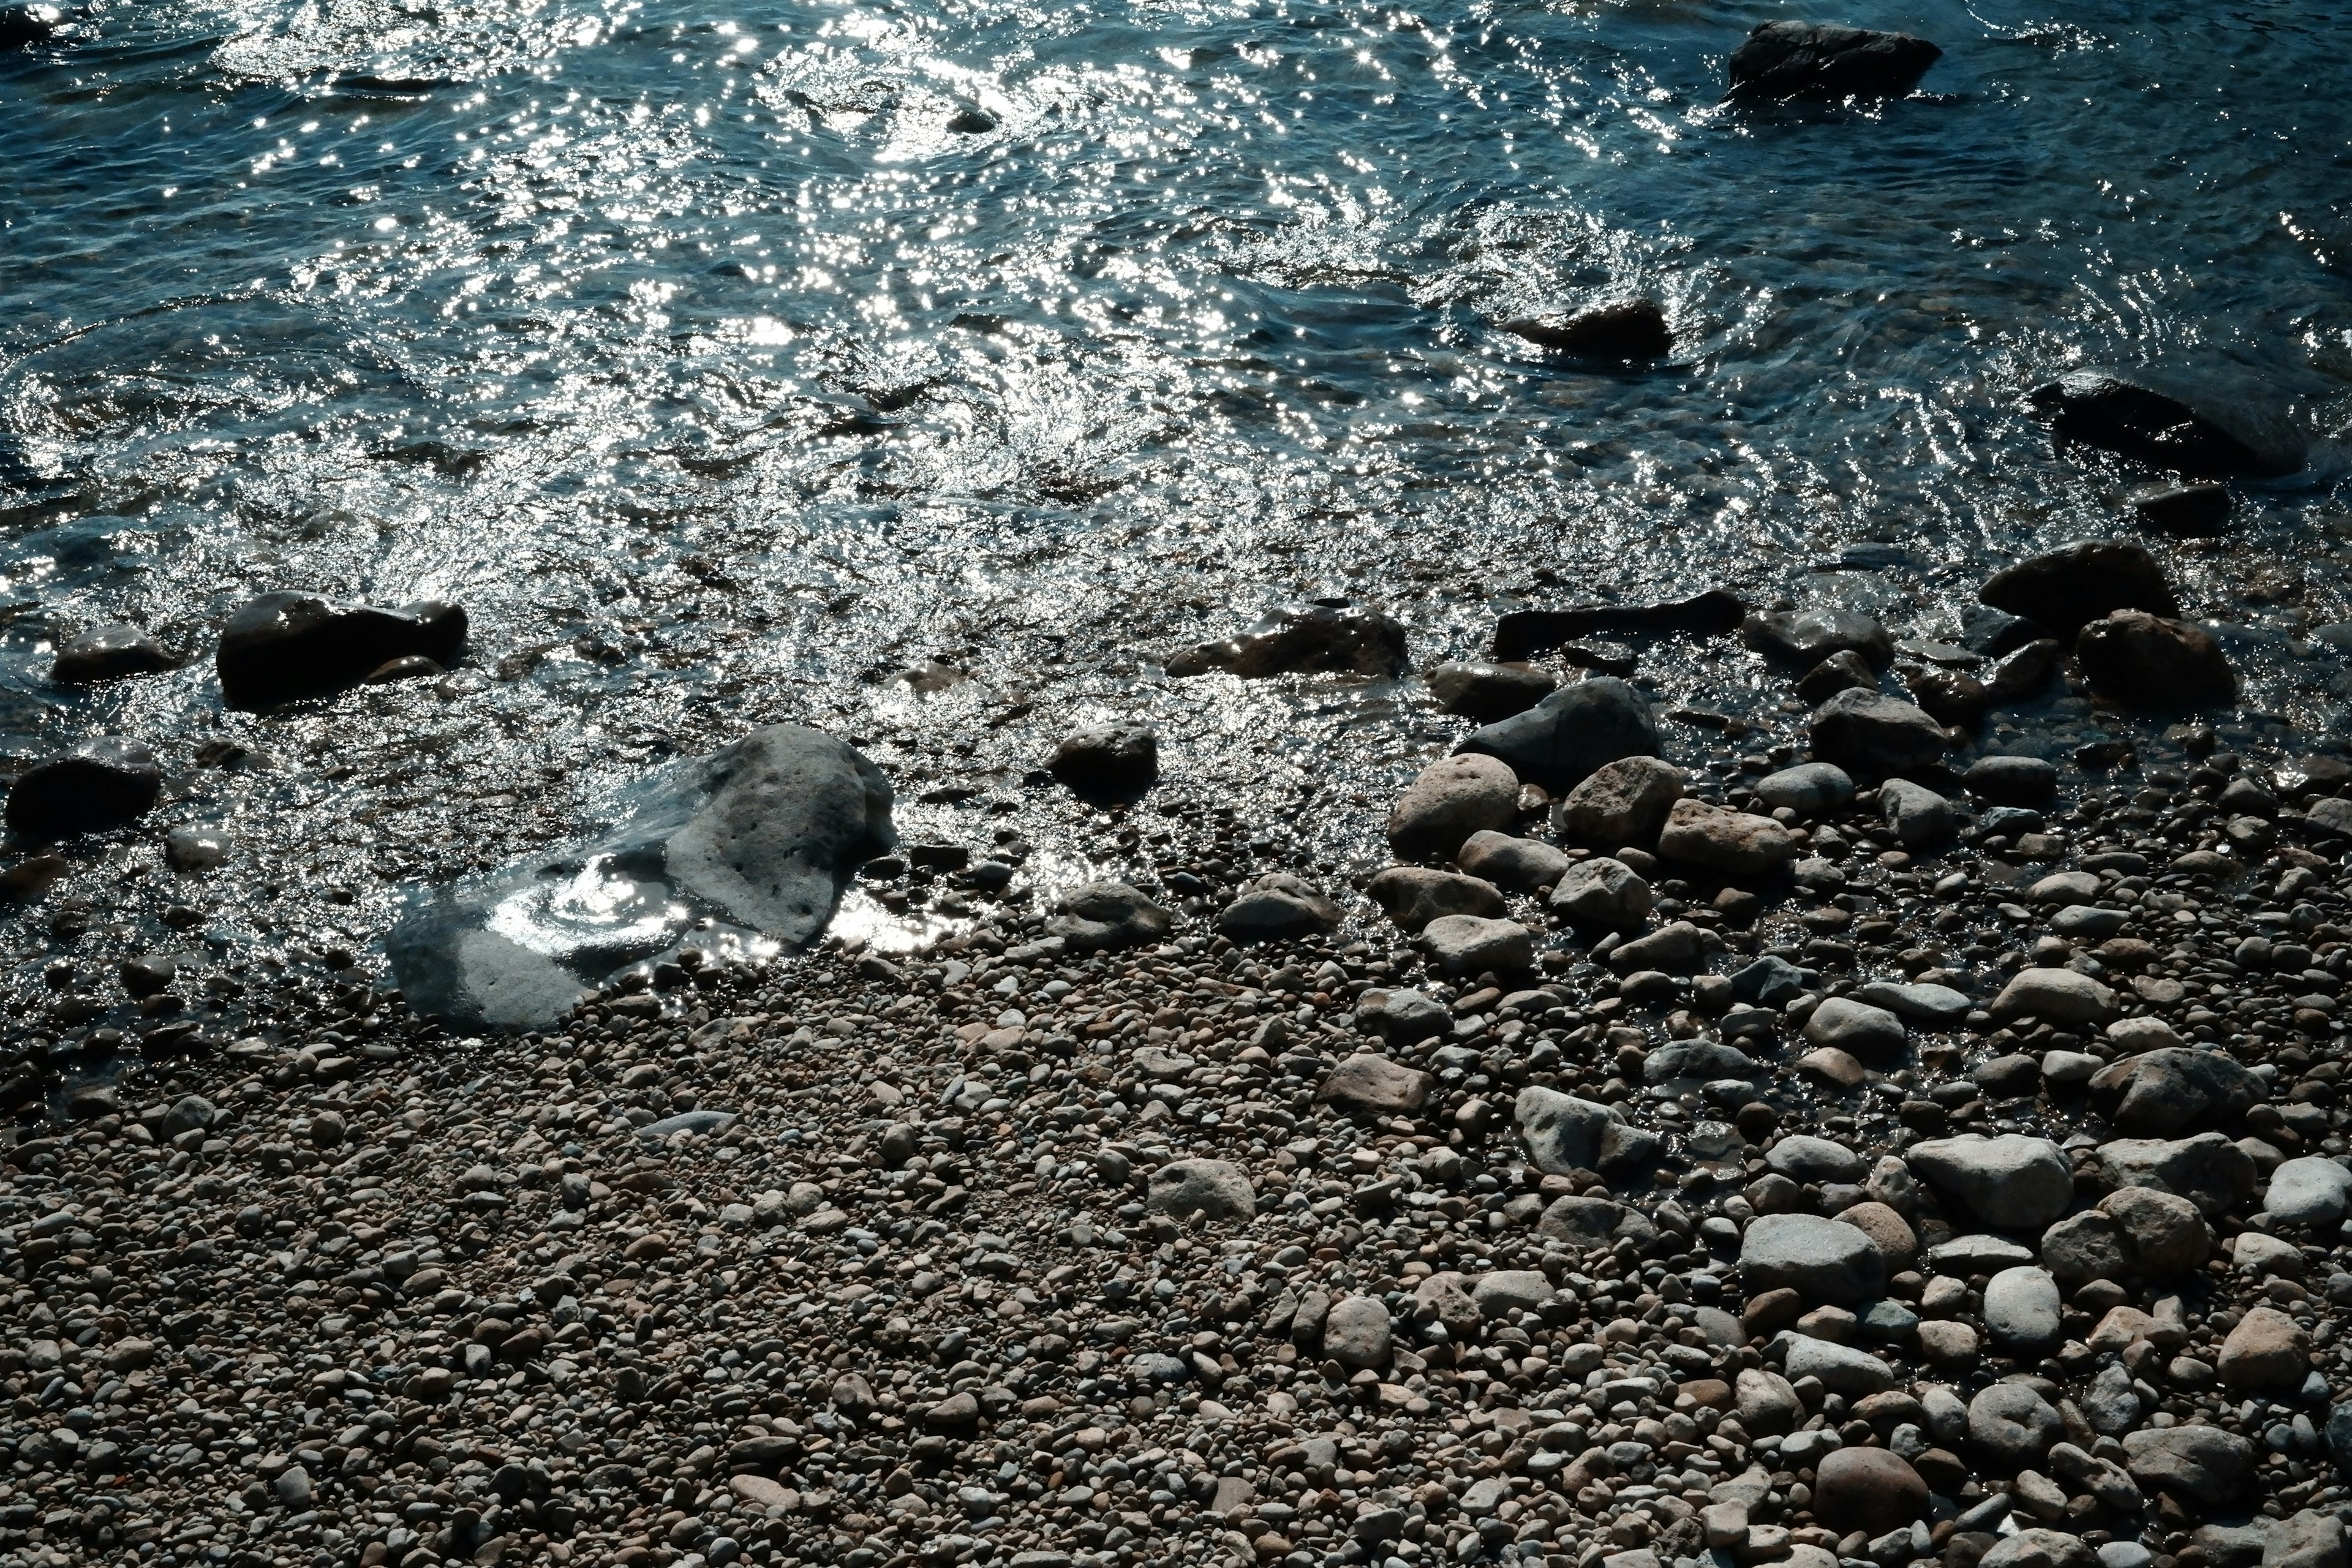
(731,363)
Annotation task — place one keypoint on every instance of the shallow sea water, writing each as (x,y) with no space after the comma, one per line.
(729,364)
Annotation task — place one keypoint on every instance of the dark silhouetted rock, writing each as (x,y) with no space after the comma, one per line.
(112,652)
(2189,510)
(749,846)
(1871,733)
(1486,692)
(1621,329)
(1805,637)
(100,783)
(2012,781)
(1561,741)
(1870,1489)
(1315,639)
(22,27)
(1101,916)
(1108,758)
(1816,60)
(2026,673)
(2167,420)
(2067,589)
(2152,661)
(284,648)
(1951,697)
(1525,633)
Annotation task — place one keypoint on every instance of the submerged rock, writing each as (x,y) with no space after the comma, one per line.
(756,839)
(1871,733)
(2164,419)
(1524,633)
(1485,693)
(2066,589)
(22,27)
(116,651)
(1329,640)
(1818,60)
(284,648)
(2189,510)
(1621,329)
(100,783)
(1805,637)
(1570,734)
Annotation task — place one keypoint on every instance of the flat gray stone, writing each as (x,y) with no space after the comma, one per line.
(1826,1262)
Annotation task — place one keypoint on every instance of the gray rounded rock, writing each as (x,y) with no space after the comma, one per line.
(1449,801)
(2022,1310)
(2011,1182)
(1213,1189)
(2010,1425)
(1826,1262)
(1866,1033)
(1603,892)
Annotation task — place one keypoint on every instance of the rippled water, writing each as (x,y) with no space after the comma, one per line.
(728,363)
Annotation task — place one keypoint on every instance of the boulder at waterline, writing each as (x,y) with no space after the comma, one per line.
(2154,662)
(2068,588)
(1620,331)
(115,651)
(1819,59)
(1484,693)
(2173,421)
(1312,639)
(100,783)
(1107,759)
(2191,510)
(1562,740)
(287,646)
(756,839)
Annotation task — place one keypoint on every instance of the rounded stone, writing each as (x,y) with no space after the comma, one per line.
(1870,1489)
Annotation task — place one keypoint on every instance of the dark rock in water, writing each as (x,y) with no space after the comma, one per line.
(2152,661)
(1314,639)
(195,848)
(2012,781)
(1840,672)
(2189,510)
(1563,739)
(1490,691)
(112,652)
(972,121)
(1108,758)
(756,839)
(1807,636)
(2166,420)
(1525,633)
(100,783)
(148,973)
(1871,733)
(22,27)
(413,666)
(1948,696)
(2070,587)
(1621,330)
(2024,673)
(283,647)
(1818,60)
(1104,917)
(1993,633)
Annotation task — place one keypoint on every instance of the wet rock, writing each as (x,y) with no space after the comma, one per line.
(1107,759)
(2023,1311)
(1801,1158)
(971,121)
(2169,420)
(1412,895)
(1402,1018)
(1732,843)
(1563,1134)
(1771,982)
(1448,802)
(2148,661)
(2266,1353)
(1626,801)
(100,783)
(1806,637)
(2024,674)
(2162,1092)
(1484,693)
(1951,697)
(2189,511)
(195,848)
(2011,1426)
(2068,588)
(289,647)
(2012,781)
(1603,892)
(1867,1033)
(2196,1463)
(1678,948)
(1919,816)
(1702,1059)
(2312,1191)
(1106,917)
(1314,639)
(116,651)
(1521,865)
(1367,1084)
(1621,330)
(1525,633)
(1469,944)
(1570,734)
(1919,1002)
(1808,789)
(1873,1490)
(759,838)
(2056,996)
(1825,1261)
(23,26)
(1212,1190)
(2208,1169)
(1358,1333)
(1277,907)
(1839,1368)
(2011,1181)
(1784,60)
(1874,735)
